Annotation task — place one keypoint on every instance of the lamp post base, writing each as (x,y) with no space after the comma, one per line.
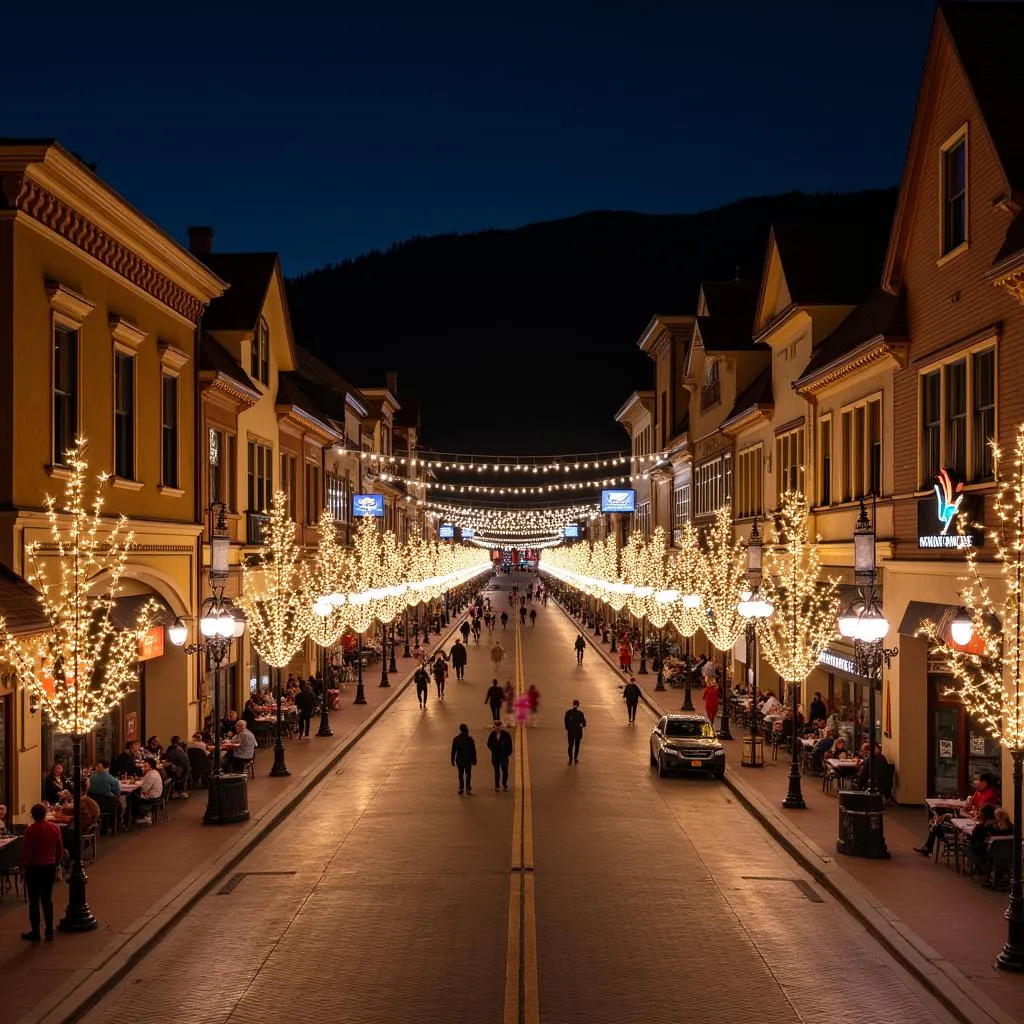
(1012,956)
(687,697)
(325,726)
(279,769)
(360,695)
(77,915)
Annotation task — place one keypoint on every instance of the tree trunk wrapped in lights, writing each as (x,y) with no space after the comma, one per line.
(804,620)
(721,581)
(686,610)
(986,669)
(83,664)
(276,609)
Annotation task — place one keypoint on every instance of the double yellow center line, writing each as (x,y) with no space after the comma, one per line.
(522,1004)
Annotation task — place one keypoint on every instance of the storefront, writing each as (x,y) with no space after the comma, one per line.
(847,693)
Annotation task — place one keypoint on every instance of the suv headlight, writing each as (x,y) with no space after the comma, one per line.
(715,751)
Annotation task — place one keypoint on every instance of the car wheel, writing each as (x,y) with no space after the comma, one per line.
(661,768)
(654,760)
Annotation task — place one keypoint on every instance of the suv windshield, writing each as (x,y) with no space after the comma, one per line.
(690,729)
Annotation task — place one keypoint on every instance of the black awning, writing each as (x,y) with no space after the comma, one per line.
(940,615)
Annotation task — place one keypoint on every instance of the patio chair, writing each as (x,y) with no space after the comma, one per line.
(10,855)
(947,845)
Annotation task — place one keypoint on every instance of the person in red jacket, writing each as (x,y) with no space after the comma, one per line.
(41,852)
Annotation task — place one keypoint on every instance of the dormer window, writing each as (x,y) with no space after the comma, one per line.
(260,369)
(954,192)
(711,392)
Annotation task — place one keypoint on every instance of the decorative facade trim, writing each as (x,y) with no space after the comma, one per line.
(744,419)
(41,205)
(1013,284)
(875,351)
(126,335)
(224,386)
(69,303)
(172,358)
(294,416)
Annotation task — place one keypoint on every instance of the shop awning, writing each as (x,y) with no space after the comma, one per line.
(940,615)
(19,605)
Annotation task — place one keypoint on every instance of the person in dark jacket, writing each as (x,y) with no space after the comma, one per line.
(499,743)
(305,704)
(459,657)
(581,646)
(631,694)
(464,757)
(249,713)
(127,762)
(495,697)
(422,681)
(818,711)
(464,629)
(440,670)
(504,619)
(176,762)
(575,723)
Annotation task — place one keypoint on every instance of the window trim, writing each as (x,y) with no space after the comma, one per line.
(68,311)
(965,354)
(740,509)
(121,352)
(823,422)
(865,403)
(259,362)
(800,429)
(960,135)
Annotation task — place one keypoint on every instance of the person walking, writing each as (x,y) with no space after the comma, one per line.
(534,694)
(581,646)
(522,615)
(440,675)
(464,629)
(464,758)
(41,851)
(625,655)
(504,619)
(510,698)
(711,701)
(476,631)
(495,697)
(499,743)
(422,681)
(533,616)
(575,723)
(497,655)
(305,702)
(459,656)
(631,695)
(522,708)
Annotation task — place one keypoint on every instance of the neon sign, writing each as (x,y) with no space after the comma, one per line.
(949,521)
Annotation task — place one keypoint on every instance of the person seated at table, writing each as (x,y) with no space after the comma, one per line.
(153,750)
(3,820)
(151,788)
(90,812)
(127,762)
(197,742)
(176,763)
(227,725)
(102,782)
(249,713)
(833,723)
(817,709)
(984,793)
(839,751)
(240,758)
(976,848)
(1003,823)
(881,770)
(55,785)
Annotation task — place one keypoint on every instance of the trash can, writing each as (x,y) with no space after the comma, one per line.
(228,800)
(861,828)
(755,759)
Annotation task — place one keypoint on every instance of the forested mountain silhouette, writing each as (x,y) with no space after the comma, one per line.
(547,315)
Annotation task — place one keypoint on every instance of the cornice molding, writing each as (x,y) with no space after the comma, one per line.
(214,385)
(307,423)
(867,356)
(125,333)
(731,427)
(172,358)
(1012,283)
(68,303)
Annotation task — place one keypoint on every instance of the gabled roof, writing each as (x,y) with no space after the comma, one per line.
(726,333)
(213,357)
(320,377)
(756,397)
(19,605)
(249,274)
(294,401)
(730,298)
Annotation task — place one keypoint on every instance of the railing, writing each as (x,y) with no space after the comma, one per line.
(255,524)
(710,394)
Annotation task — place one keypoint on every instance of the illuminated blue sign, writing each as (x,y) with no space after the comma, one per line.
(618,501)
(368,505)
(446,532)
(571,531)
(468,531)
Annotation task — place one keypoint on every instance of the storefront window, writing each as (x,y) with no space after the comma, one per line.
(6,749)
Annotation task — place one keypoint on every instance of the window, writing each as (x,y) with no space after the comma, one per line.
(385,440)
(261,477)
(958,416)
(221,461)
(713,485)
(862,449)
(124,416)
(664,419)
(680,505)
(336,497)
(288,482)
(642,518)
(169,415)
(312,493)
(711,392)
(65,392)
(260,364)
(825,461)
(789,462)
(954,192)
(749,483)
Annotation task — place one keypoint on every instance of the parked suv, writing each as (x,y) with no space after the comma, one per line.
(687,743)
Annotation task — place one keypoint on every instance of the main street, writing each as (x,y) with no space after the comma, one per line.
(386,896)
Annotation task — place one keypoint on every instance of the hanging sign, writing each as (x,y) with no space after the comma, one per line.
(151,643)
(950,519)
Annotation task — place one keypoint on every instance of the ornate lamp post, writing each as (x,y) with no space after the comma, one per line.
(406,653)
(393,665)
(754,609)
(219,623)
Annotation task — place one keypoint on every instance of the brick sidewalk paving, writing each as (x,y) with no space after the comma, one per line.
(140,874)
(954,916)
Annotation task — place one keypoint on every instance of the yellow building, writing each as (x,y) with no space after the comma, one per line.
(98,315)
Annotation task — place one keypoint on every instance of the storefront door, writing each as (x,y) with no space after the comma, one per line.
(959,748)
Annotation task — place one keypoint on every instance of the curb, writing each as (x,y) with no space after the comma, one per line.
(945,982)
(88,985)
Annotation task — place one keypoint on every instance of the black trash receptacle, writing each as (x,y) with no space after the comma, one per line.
(861,825)
(228,800)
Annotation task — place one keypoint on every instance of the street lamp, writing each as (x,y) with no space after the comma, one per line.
(753,608)
(220,622)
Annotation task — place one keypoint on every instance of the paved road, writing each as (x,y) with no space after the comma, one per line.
(654,900)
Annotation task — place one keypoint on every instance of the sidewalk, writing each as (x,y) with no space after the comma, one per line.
(922,911)
(143,880)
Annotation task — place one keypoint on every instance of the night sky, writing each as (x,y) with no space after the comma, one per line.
(324,133)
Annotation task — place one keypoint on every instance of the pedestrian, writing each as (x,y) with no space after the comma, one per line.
(41,851)
(504,619)
(476,631)
(522,615)
(464,629)
(631,694)
(510,697)
(497,655)
(422,681)
(625,655)
(534,694)
(440,675)
(459,657)
(495,697)
(575,723)
(464,757)
(499,743)
(533,616)
(711,701)
(544,600)
(305,702)
(522,708)
(581,646)
(710,672)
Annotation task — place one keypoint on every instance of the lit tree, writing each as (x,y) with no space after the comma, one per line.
(804,619)
(83,664)
(988,683)
(685,573)
(277,613)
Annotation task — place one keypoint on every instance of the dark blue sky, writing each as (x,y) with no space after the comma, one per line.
(323,135)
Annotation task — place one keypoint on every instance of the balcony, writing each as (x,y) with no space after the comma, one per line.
(710,394)
(255,524)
